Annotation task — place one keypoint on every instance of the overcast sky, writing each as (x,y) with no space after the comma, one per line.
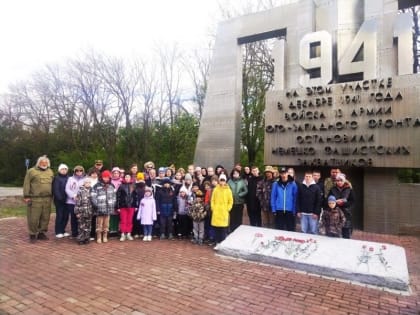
(36,32)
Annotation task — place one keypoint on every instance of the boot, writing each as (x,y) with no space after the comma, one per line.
(129,237)
(105,237)
(122,238)
(99,237)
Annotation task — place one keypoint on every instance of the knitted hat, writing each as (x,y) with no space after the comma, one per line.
(222,177)
(62,166)
(106,173)
(140,176)
(331,198)
(199,193)
(162,169)
(188,176)
(148,189)
(341,176)
(116,169)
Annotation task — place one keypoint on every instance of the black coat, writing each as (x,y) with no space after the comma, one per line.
(309,199)
(252,202)
(126,196)
(59,188)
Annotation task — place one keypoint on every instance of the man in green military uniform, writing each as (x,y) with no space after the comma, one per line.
(37,193)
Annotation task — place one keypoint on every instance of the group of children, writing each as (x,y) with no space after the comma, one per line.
(139,204)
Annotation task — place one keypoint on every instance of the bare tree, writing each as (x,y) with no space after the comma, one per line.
(198,67)
(169,58)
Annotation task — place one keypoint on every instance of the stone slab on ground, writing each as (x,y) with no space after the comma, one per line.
(379,264)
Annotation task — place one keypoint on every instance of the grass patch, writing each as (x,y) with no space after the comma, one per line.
(8,212)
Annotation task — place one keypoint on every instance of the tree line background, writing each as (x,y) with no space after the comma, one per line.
(123,111)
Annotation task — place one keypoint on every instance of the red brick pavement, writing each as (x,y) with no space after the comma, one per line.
(176,277)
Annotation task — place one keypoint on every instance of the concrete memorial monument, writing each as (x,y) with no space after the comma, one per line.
(345,96)
(378,264)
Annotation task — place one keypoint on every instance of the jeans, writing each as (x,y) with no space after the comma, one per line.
(308,224)
(198,229)
(73,221)
(147,229)
(165,224)
(61,217)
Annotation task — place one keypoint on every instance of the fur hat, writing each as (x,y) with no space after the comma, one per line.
(78,167)
(149,164)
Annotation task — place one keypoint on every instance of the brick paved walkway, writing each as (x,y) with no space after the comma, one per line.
(176,277)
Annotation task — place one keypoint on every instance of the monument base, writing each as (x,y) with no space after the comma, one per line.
(379,264)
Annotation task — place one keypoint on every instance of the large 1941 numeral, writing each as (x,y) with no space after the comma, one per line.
(316,54)
(360,56)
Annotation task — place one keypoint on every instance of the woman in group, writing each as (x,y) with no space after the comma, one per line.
(343,193)
(239,191)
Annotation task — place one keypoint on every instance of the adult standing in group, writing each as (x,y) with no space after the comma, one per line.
(343,193)
(252,202)
(330,181)
(264,196)
(283,201)
(98,167)
(72,187)
(60,197)
(37,193)
(239,192)
(309,204)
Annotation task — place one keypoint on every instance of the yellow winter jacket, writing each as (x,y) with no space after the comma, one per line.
(221,204)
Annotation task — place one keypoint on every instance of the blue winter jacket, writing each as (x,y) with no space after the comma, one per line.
(284,196)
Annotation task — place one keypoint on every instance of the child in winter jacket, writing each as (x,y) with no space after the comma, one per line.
(198,214)
(166,205)
(184,221)
(333,218)
(83,212)
(220,205)
(147,213)
(126,202)
(104,200)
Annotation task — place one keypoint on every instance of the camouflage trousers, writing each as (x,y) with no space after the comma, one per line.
(84,224)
